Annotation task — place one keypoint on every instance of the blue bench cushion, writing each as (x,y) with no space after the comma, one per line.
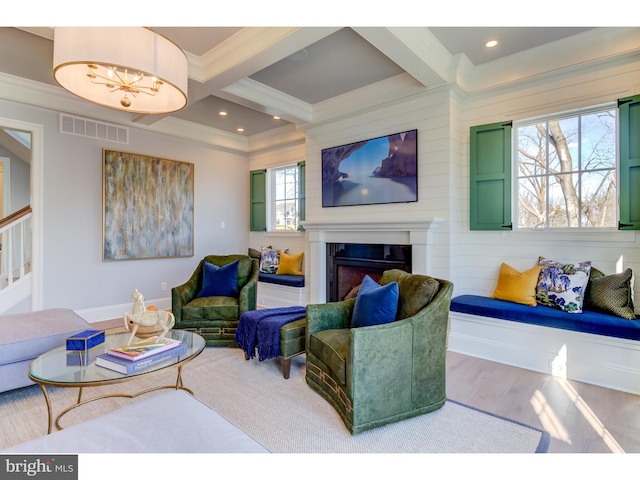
(587,321)
(286,280)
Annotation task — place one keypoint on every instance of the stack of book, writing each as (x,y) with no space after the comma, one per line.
(140,355)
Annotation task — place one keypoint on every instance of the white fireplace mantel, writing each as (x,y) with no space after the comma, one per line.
(399,232)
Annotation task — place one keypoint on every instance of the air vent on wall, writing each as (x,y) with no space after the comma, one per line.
(93,129)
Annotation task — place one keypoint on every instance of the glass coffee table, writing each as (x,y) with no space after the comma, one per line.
(77,369)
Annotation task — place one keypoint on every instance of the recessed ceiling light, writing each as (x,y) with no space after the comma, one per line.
(275,117)
(491,43)
(222,113)
(240,129)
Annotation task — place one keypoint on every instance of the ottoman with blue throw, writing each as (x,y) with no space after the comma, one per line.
(273,332)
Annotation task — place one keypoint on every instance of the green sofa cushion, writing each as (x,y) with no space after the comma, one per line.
(331,346)
(209,308)
(416,291)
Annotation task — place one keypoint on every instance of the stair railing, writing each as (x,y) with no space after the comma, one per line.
(15,248)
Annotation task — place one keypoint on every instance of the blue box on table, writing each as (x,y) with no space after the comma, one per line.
(85,340)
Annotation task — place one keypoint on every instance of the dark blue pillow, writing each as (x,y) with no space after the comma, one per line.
(375,304)
(219,281)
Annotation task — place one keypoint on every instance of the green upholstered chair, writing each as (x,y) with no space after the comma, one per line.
(216,318)
(376,375)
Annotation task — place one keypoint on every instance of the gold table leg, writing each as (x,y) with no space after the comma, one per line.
(179,385)
(49,413)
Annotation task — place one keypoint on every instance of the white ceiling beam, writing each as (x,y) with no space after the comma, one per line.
(414,49)
(223,70)
(253,49)
(268,100)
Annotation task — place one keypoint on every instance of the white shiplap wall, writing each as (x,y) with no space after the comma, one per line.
(287,155)
(430,114)
(443,118)
(479,254)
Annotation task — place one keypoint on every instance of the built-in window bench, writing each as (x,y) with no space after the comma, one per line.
(590,347)
(275,291)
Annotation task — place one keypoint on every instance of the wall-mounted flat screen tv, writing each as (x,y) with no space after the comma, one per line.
(379,170)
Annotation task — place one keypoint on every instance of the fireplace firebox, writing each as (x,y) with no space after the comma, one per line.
(348,263)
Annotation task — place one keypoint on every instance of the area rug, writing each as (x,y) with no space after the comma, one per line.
(286,416)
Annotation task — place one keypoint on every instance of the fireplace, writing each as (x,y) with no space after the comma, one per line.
(415,233)
(348,263)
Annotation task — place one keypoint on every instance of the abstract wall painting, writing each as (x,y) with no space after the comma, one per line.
(148,207)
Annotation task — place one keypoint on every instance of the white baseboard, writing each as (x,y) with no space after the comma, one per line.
(595,359)
(110,312)
(271,295)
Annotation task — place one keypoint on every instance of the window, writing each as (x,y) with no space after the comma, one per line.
(277,198)
(283,205)
(566,171)
(571,172)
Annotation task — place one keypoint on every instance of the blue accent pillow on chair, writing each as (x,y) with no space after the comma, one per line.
(375,304)
(219,281)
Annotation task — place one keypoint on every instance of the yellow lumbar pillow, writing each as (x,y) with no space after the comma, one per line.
(515,286)
(290,264)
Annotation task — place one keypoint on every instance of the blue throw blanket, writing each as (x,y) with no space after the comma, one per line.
(261,329)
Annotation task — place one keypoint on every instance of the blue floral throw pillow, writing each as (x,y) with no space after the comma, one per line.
(269,260)
(562,286)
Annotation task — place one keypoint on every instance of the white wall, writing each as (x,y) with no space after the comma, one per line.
(479,254)
(431,114)
(76,277)
(74,274)
(269,158)
(19,179)
(443,119)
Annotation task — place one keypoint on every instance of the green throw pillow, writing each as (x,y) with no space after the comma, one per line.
(610,294)
(416,291)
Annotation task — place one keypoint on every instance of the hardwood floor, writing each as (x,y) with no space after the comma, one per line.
(580,418)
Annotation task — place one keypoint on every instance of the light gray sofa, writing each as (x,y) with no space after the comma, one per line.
(26,336)
(152,425)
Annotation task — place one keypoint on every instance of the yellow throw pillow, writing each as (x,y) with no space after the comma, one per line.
(290,264)
(517,287)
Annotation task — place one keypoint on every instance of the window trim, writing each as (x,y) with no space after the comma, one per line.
(258,199)
(271,196)
(563,115)
(492,207)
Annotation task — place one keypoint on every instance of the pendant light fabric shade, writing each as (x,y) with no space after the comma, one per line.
(136,49)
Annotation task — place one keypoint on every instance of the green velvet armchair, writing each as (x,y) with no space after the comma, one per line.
(380,374)
(216,318)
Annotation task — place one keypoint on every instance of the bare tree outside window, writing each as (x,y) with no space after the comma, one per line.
(567,171)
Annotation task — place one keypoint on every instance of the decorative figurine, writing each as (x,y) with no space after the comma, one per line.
(141,316)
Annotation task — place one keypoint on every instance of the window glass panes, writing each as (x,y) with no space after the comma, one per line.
(566,169)
(285,188)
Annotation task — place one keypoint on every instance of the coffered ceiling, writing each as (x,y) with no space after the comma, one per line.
(305,74)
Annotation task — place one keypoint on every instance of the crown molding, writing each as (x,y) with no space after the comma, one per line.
(278,103)
(28,92)
(588,48)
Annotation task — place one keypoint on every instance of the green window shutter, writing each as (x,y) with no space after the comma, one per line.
(258,201)
(490,177)
(629,121)
(302,198)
